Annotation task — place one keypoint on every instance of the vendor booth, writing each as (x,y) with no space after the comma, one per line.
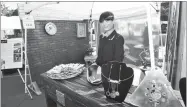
(60,42)
(66,85)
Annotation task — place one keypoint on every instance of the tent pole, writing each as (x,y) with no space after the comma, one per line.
(25,60)
(151,48)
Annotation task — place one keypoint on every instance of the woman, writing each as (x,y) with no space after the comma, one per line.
(110,42)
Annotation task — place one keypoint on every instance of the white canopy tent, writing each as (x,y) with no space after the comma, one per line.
(130,11)
(82,10)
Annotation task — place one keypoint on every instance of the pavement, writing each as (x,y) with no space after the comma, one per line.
(13,92)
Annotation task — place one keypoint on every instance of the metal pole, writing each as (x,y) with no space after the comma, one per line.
(150,38)
(159,23)
(25,60)
(29,71)
(26,66)
(21,75)
(161,39)
(91,32)
(26,88)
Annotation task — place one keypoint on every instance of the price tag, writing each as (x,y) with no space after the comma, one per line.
(28,22)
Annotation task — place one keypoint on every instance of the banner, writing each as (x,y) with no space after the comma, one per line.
(11,53)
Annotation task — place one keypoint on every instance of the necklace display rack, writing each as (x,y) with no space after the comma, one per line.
(117,79)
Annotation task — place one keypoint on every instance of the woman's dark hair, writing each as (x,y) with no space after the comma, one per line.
(106,16)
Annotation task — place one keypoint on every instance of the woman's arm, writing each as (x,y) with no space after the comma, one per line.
(98,60)
(119,49)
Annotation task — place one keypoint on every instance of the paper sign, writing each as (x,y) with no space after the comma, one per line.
(28,22)
(11,53)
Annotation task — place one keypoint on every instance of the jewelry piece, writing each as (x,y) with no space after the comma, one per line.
(150,99)
(113,86)
(163,93)
(163,99)
(112,95)
(108,93)
(117,93)
(155,93)
(146,94)
(109,84)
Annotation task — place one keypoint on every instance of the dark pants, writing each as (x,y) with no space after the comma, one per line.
(182,87)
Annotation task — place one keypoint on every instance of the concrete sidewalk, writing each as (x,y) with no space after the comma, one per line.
(13,93)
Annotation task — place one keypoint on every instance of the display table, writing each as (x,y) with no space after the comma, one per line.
(77,92)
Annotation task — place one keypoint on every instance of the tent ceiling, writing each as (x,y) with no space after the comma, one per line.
(82,10)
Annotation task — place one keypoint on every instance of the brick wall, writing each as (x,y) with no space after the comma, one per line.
(46,51)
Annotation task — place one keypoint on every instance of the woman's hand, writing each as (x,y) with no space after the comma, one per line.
(94,63)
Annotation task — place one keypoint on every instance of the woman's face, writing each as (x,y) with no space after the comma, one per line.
(107,25)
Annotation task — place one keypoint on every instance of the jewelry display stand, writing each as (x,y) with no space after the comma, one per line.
(154,91)
(117,79)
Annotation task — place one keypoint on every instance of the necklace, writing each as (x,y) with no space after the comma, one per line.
(108,91)
(114,84)
(115,81)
